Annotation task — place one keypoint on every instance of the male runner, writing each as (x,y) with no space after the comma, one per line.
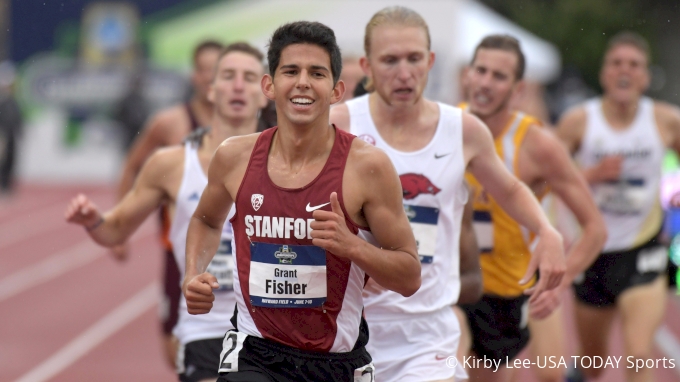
(498,323)
(167,128)
(303,192)
(431,145)
(619,141)
(176,175)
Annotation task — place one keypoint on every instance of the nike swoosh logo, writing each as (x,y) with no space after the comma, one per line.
(440,156)
(439,358)
(310,208)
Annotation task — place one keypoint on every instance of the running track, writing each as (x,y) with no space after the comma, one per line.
(69,312)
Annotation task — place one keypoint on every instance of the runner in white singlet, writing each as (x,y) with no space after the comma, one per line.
(619,141)
(177,176)
(431,145)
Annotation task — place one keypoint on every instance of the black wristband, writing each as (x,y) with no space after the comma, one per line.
(95,225)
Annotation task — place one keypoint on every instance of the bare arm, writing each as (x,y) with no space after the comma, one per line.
(566,182)
(564,179)
(470,270)
(153,137)
(205,229)
(518,201)
(395,264)
(117,225)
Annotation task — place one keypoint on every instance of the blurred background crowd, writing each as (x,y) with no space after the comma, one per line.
(79,78)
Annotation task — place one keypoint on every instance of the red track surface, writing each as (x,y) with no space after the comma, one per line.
(41,316)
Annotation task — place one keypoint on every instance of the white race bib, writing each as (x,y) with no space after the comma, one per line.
(222,266)
(424,224)
(625,197)
(483,226)
(287,276)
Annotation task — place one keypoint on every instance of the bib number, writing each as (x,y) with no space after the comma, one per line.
(222,266)
(231,347)
(625,197)
(652,260)
(424,225)
(483,226)
(287,276)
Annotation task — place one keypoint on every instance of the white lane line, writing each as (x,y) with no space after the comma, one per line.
(107,326)
(668,344)
(58,264)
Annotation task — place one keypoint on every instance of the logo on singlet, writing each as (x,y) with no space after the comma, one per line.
(416,184)
(257,200)
(284,255)
(194,196)
(367,138)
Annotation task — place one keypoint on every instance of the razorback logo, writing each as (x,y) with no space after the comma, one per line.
(416,184)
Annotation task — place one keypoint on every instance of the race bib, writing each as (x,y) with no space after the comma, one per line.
(287,276)
(222,266)
(424,224)
(483,226)
(625,197)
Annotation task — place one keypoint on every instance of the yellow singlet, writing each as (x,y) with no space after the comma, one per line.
(503,243)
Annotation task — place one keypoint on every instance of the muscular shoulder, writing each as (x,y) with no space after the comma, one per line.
(171,120)
(340,117)
(475,132)
(542,145)
(369,161)
(571,127)
(163,166)
(236,150)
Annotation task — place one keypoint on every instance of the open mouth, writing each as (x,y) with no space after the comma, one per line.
(482,99)
(302,101)
(404,91)
(237,103)
(623,83)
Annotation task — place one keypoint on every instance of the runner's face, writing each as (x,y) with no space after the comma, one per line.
(235,90)
(204,69)
(491,81)
(624,76)
(399,63)
(302,86)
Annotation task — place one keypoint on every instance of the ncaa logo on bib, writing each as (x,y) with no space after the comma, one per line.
(257,200)
(285,255)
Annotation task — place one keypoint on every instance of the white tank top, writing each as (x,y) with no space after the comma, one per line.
(434,199)
(214,324)
(630,205)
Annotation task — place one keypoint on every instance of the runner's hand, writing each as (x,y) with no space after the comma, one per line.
(83,212)
(198,292)
(609,168)
(545,304)
(548,258)
(330,232)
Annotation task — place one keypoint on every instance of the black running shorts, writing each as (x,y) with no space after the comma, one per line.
(198,360)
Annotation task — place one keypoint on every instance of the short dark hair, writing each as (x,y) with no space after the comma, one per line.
(628,38)
(206,45)
(507,43)
(305,32)
(242,47)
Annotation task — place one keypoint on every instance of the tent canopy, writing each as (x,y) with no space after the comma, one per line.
(456,26)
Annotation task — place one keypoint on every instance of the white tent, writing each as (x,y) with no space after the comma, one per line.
(456,26)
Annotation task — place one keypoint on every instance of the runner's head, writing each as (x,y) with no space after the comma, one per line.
(398,57)
(235,88)
(205,58)
(624,76)
(304,69)
(495,74)
(351,75)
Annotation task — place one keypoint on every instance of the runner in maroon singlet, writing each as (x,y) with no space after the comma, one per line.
(306,197)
